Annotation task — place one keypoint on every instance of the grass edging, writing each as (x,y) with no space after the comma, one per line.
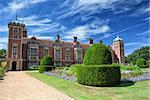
(139,90)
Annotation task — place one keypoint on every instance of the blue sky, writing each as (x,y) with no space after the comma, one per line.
(97,19)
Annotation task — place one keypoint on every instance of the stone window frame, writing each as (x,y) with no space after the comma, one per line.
(67,56)
(46,48)
(56,48)
(16,51)
(15,36)
(15,30)
(78,57)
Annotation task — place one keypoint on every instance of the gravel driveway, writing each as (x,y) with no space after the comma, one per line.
(18,85)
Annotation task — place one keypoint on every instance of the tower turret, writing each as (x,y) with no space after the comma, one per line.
(16,32)
(118,47)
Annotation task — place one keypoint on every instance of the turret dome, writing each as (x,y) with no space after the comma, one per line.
(118,38)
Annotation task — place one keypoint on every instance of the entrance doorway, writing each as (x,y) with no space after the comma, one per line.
(14,65)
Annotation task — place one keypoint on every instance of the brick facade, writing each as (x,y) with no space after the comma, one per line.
(24,52)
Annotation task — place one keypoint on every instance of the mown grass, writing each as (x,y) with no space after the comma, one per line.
(136,91)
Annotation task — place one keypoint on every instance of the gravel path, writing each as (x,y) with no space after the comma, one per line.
(20,86)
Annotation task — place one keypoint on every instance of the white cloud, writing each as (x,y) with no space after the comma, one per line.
(42,37)
(123,30)
(147,33)
(84,32)
(3,42)
(16,5)
(135,43)
(3,28)
(35,21)
(42,25)
(140,11)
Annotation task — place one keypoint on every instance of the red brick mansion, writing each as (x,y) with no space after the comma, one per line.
(24,52)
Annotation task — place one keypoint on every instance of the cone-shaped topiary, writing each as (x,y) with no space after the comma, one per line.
(98,54)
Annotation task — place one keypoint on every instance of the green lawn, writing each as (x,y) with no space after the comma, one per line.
(137,91)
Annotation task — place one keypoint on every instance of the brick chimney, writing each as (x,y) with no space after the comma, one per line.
(75,39)
(58,37)
(91,41)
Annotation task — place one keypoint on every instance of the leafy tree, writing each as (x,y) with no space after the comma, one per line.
(2,53)
(141,62)
(139,53)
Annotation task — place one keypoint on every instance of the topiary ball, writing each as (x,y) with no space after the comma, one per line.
(98,54)
(47,60)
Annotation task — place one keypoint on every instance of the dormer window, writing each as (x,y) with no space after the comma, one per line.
(15,30)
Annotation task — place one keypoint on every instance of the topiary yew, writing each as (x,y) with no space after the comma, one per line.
(46,64)
(98,75)
(46,60)
(97,54)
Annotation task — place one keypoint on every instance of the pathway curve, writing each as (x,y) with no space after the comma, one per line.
(20,86)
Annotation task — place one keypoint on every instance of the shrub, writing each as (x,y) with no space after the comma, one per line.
(46,64)
(128,67)
(97,54)
(41,69)
(47,60)
(141,62)
(2,71)
(73,69)
(99,75)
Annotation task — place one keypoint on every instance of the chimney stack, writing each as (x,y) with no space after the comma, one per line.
(91,41)
(75,39)
(58,37)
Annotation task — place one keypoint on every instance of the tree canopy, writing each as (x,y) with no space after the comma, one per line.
(2,53)
(139,53)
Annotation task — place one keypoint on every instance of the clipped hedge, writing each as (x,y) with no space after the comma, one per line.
(98,54)
(99,75)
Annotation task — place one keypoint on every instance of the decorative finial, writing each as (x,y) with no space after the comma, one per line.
(117,35)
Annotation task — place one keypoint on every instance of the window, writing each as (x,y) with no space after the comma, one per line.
(57,55)
(15,36)
(67,55)
(79,55)
(15,30)
(14,51)
(33,53)
(45,52)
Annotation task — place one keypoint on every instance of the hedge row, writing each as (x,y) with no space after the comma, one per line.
(99,75)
